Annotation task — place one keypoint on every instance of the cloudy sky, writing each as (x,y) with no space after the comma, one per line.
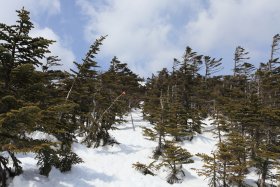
(148,34)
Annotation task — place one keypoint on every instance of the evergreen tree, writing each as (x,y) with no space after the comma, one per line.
(266,160)
(274,48)
(212,66)
(173,157)
(156,106)
(144,169)
(228,165)
(240,59)
(182,101)
(189,81)
(237,165)
(28,98)
(18,47)
(224,157)
(210,169)
(84,89)
(119,78)
(220,123)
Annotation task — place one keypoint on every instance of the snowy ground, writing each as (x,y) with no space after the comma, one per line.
(112,166)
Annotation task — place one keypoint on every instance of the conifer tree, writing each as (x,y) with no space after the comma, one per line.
(176,127)
(101,97)
(119,78)
(144,169)
(17,117)
(189,81)
(156,106)
(28,98)
(178,96)
(224,157)
(212,66)
(210,169)
(173,157)
(84,89)
(18,47)
(228,165)
(220,123)
(240,58)
(274,48)
(237,165)
(266,160)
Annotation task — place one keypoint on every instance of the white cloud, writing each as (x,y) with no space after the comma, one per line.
(141,32)
(39,8)
(36,7)
(57,49)
(148,34)
(226,24)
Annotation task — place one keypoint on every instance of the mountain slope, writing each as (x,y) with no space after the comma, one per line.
(112,165)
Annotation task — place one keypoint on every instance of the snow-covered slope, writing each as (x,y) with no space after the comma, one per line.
(112,165)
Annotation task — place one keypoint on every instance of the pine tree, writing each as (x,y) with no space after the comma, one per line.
(144,169)
(165,111)
(84,89)
(156,107)
(240,58)
(267,159)
(220,123)
(274,48)
(189,81)
(210,169)
(228,165)
(30,101)
(18,52)
(174,157)
(18,47)
(176,127)
(237,165)
(119,78)
(100,96)
(212,66)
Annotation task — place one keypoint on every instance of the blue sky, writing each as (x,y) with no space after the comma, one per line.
(148,34)
(69,24)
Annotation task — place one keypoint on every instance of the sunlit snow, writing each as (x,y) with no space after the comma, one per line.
(111,166)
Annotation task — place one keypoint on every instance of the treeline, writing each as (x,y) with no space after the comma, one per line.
(245,107)
(35,97)
(61,106)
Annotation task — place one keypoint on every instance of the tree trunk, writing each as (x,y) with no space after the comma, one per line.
(264,173)
(239,173)
(174,168)
(256,142)
(2,176)
(132,122)
(7,79)
(159,142)
(219,133)
(16,162)
(224,175)
(214,171)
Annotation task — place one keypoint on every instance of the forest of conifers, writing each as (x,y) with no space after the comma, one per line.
(86,102)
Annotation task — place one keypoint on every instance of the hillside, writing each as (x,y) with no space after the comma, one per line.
(59,118)
(112,165)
